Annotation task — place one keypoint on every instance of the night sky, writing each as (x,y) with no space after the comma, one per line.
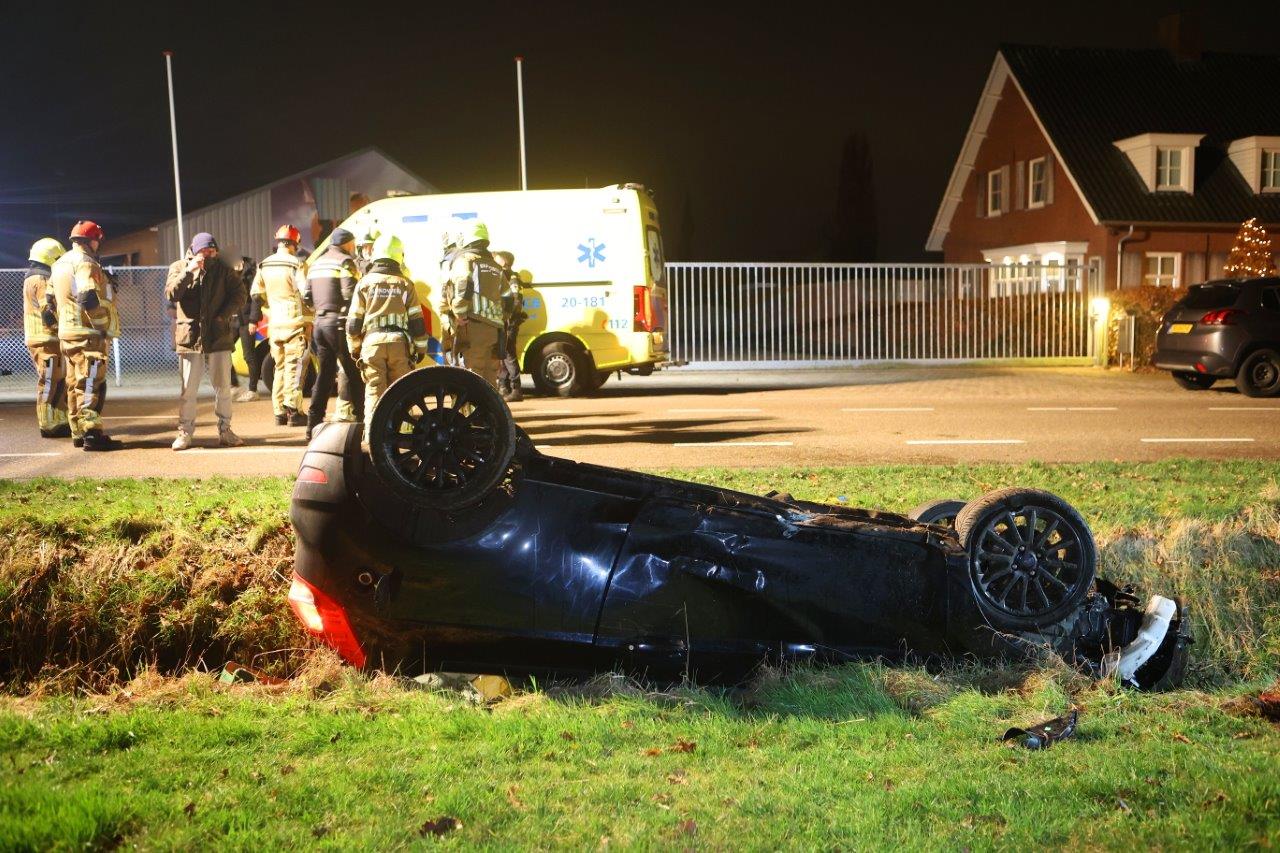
(742,113)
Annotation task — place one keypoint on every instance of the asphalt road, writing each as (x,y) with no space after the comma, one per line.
(802,418)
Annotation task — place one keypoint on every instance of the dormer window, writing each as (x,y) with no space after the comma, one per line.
(1257,159)
(1271,170)
(1169,169)
(1164,161)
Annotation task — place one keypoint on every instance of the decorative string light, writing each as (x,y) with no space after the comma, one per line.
(1251,255)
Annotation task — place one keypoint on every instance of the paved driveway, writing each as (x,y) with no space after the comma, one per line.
(804,418)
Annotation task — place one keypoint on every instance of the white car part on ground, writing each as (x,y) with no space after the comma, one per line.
(1159,615)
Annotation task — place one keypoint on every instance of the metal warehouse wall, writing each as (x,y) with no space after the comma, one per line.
(242,225)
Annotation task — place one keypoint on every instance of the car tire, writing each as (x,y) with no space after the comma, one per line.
(442,438)
(564,370)
(1259,374)
(1193,381)
(942,511)
(1032,557)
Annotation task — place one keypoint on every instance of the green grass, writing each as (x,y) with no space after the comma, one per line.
(834,759)
(100,580)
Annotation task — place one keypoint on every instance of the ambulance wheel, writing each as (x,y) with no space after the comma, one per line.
(564,370)
(442,438)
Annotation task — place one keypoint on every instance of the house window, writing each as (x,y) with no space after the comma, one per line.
(1162,269)
(995,192)
(1036,183)
(1271,171)
(1169,169)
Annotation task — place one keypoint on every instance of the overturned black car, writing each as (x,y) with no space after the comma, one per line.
(452,543)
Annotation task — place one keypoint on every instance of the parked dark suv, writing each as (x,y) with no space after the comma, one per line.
(1222,330)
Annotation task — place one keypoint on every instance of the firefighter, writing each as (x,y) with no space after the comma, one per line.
(512,316)
(40,325)
(364,249)
(87,321)
(278,287)
(330,284)
(386,332)
(444,304)
(476,305)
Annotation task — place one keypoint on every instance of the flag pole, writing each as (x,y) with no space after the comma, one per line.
(524,174)
(173,135)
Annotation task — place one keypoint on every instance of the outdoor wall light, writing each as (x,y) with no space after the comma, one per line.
(1099,306)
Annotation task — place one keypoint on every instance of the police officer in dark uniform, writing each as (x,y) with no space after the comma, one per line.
(331,281)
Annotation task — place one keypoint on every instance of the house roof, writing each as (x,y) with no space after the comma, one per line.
(1085,99)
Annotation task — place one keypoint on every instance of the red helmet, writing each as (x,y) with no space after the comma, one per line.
(288,232)
(87,230)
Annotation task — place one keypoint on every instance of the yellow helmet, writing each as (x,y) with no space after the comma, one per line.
(474,233)
(388,246)
(46,250)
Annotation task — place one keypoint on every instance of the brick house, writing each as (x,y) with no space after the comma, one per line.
(1139,162)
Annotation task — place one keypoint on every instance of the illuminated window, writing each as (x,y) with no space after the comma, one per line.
(1162,269)
(1036,195)
(1169,169)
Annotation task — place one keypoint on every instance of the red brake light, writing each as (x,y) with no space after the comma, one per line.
(644,309)
(323,617)
(1221,317)
(312,475)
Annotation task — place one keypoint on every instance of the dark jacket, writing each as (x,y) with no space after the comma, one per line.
(205,302)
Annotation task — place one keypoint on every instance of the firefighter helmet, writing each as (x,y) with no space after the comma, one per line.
(388,246)
(46,250)
(86,229)
(476,232)
(288,234)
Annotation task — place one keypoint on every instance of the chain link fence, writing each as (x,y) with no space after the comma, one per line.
(144,349)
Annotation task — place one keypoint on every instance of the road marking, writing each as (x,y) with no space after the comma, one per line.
(1244,408)
(26,455)
(1071,408)
(891,409)
(732,444)
(543,446)
(295,449)
(1194,440)
(967,441)
(715,411)
(139,417)
(542,411)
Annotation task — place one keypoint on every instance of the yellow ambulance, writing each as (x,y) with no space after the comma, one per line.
(596,294)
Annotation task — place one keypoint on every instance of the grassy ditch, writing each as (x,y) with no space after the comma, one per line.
(101,579)
(852,757)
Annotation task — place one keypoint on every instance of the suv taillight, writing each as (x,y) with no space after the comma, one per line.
(1221,317)
(644,309)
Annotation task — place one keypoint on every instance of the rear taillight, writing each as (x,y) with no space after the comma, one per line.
(1221,317)
(325,618)
(644,309)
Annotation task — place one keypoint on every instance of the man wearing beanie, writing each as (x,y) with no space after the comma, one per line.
(206,294)
(330,282)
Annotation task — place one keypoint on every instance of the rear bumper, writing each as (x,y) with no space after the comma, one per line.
(1185,362)
(1214,348)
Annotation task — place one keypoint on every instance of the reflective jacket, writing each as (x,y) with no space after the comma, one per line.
(331,282)
(478,283)
(85,300)
(385,308)
(278,285)
(39,308)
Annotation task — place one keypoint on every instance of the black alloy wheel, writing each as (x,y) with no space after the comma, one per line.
(1032,558)
(942,511)
(1259,375)
(1193,381)
(442,438)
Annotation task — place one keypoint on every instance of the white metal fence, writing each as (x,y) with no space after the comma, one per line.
(746,312)
(791,313)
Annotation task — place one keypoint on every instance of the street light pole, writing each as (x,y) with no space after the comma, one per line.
(173,134)
(524,173)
